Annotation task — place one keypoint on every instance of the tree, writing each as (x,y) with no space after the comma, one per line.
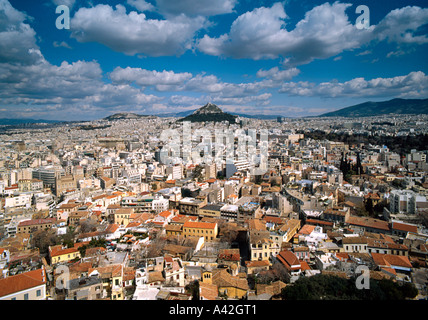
(42,239)
(193,289)
(327,287)
(228,233)
(370,207)
(87,226)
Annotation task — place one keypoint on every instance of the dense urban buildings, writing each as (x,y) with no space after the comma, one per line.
(95,214)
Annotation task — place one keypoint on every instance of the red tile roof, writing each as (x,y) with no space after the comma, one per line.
(368,222)
(404,227)
(289,260)
(22,281)
(391,260)
(199,225)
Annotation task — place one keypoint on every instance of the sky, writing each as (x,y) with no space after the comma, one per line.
(291,58)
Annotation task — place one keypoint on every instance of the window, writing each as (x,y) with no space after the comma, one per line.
(26,296)
(38,293)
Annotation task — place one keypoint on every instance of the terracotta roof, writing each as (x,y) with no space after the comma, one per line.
(22,281)
(165,214)
(276,220)
(404,227)
(256,224)
(58,251)
(257,264)
(321,222)
(229,255)
(353,240)
(111,228)
(222,278)
(368,222)
(133,224)
(307,229)
(208,291)
(199,225)
(33,222)
(391,260)
(114,270)
(304,266)
(173,227)
(289,259)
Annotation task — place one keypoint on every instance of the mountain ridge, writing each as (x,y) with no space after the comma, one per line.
(376,108)
(207,113)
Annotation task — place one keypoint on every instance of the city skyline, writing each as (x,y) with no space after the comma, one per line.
(290,58)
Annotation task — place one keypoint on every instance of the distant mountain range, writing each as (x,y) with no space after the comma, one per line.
(15,122)
(243,115)
(209,112)
(370,108)
(126,115)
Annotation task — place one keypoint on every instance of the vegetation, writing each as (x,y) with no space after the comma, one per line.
(42,239)
(215,117)
(327,287)
(401,145)
(193,289)
(94,243)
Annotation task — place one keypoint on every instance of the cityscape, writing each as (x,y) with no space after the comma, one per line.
(123,183)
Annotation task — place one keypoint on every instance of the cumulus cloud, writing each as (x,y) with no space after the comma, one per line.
(324,32)
(412,85)
(185,81)
(31,84)
(68,3)
(278,75)
(141,5)
(400,25)
(194,8)
(162,80)
(64,44)
(134,33)
(17,38)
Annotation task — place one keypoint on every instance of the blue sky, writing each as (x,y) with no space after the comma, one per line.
(292,58)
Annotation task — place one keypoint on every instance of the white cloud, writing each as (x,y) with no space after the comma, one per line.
(278,75)
(324,32)
(194,8)
(64,44)
(399,25)
(134,33)
(141,5)
(164,80)
(68,3)
(412,85)
(17,38)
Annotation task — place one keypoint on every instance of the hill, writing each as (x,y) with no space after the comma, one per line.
(242,115)
(14,122)
(209,112)
(394,106)
(125,115)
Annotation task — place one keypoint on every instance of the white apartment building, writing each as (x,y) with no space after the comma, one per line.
(160,204)
(174,172)
(406,201)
